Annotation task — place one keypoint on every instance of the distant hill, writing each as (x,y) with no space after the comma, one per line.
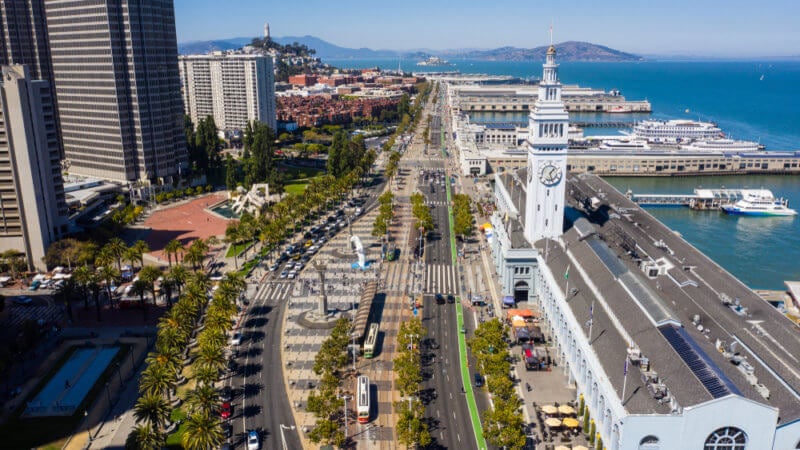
(567,51)
(196,47)
(326,50)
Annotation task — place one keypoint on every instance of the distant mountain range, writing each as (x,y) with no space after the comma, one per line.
(567,51)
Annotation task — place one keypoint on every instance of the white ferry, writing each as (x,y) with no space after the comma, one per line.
(759,202)
(674,131)
(625,145)
(434,61)
(723,146)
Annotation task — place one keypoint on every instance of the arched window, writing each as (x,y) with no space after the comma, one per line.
(728,438)
(649,443)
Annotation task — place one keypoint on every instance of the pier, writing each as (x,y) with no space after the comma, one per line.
(701,199)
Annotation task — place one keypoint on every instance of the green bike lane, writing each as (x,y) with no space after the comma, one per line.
(462,340)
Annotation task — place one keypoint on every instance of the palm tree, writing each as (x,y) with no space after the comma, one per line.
(150,274)
(131,256)
(109,274)
(204,399)
(233,235)
(205,375)
(66,293)
(211,356)
(202,432)
(196,253)
(145,437)
(156,380)
(83,277)
(117,248)
(151,409)
(173,247)
(178,276)
(95,288)
(140,288)
(140,247)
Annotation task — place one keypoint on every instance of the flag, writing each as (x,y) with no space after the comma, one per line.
(566,274)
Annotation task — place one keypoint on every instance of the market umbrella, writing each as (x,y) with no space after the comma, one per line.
(566,410)
(579,447)
(549,409)
(569,422)
(562,447)
(552,422)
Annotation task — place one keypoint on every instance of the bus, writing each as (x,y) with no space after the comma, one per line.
(363,399)
(372,338)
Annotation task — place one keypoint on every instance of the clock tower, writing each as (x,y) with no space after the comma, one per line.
(547,157)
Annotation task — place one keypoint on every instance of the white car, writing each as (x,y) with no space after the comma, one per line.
(292,274)
(236,339)
(284,274)
(273,267)
(253,441)
(299,265)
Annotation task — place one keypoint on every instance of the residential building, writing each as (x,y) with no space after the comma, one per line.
(118,90)
(235,88)
(33,212)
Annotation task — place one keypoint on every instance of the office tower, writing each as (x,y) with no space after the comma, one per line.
(23,33)
(33,212)
(234,88)
(117,85)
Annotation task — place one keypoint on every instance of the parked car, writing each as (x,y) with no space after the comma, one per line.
(236,339)
(299,265)
(292,274)
(478,380)
(253,440)
(226,410)
(227,430)
(35,285)
(284,273)
(273,267)
(226,394)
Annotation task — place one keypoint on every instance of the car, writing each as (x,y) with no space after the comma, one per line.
(35,285)
(299,265)
(359,211)
(253,440)
(308,243)
(226,410)
(307,235)
(439,299)
(292,274)
(23,300)
(451,298)
(274,267)
(296,256)
(226,394)
(227,430)
(305,258)
(323,239)
(284,274)
(236,339)
(478,380)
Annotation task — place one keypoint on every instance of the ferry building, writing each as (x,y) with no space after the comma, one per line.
(666,348)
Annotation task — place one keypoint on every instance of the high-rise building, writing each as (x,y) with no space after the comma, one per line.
(23,33)
(118,89)
(33,212)
(234,88)
(547,157)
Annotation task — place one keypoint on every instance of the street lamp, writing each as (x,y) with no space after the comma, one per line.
(86,419)
(345,398)
(283,438)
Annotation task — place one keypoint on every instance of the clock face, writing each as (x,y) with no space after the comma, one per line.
(550,174)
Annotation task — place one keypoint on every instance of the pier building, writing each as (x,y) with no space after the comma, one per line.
(664,348)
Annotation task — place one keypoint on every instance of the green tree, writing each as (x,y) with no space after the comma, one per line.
(202,432)
(152,410)
(411,428)
(173,247)
(503,425)
(145,437)
(202,400)
(231,176)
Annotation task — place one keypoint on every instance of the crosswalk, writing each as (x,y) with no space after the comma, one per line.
(436,203)
(274,291)
(440,278)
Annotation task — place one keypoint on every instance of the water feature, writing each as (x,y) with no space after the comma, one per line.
(225,209)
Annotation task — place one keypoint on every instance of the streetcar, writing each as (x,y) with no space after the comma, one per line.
(363,399)
(372,338)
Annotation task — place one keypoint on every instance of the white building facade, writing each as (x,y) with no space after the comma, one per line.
(234,88)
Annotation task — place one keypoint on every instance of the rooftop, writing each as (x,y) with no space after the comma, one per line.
(705,334)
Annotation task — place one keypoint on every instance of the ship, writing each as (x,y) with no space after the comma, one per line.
(676,131)
(723,146)
(626,145)
(759,202)
(434,61)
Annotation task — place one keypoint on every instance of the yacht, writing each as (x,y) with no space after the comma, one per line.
(723,146)
(434,61)
(674,131)
(632,145)
(759,202)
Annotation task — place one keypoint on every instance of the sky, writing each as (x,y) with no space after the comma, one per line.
(723,28)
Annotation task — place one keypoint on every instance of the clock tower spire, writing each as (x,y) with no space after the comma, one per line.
(548,125)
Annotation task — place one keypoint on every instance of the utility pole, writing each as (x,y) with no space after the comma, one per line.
(345,398)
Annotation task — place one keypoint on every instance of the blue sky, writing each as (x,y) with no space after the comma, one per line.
(688,27)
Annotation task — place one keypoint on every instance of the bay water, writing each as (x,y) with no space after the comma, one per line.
(751,100)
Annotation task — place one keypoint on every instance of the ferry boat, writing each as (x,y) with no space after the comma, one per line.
(674,131)
(723,146)
(759,202)
(625,145)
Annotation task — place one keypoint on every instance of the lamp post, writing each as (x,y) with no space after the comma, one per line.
(345,398)
(283,438)
(86,419)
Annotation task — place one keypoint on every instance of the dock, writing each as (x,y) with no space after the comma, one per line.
(700,199)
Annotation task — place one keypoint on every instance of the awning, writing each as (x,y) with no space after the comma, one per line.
(508,300)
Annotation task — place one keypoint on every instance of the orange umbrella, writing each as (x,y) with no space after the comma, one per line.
(569,422)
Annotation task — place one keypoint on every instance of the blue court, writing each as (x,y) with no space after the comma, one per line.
(68,387)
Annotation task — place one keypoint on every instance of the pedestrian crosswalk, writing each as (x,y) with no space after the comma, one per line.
(441,279)
(436,203)
(274,291)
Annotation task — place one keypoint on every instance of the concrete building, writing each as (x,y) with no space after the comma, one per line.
(33,212)
(23,32)
(234,88)
(118,88)
(665,349)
